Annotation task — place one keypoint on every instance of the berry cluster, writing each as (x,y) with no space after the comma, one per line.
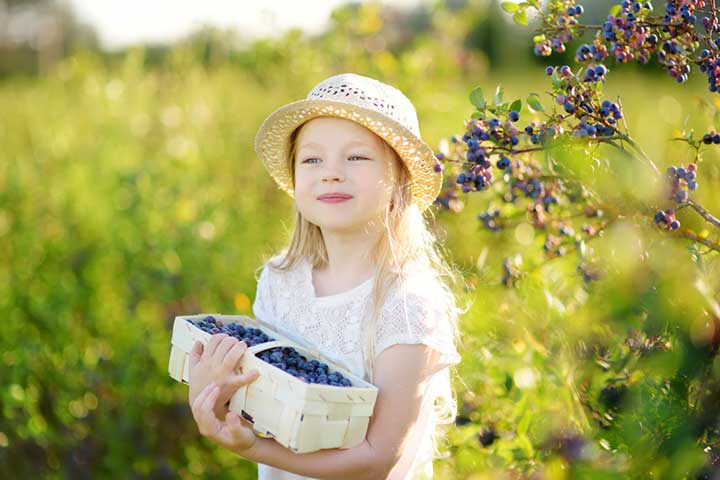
(710,65)
(631,38)
(579,99)
(493,130)
(667,219)
(488,219)
(539,132)
(679,177)
(251,336)
(285,358)
(310,371)
(553,245)
(564,15)
(449,200)
(632,33)
(711,137)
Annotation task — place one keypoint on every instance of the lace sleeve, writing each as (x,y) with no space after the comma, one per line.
(413,319)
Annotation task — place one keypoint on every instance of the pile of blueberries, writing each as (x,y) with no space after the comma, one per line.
(286,359)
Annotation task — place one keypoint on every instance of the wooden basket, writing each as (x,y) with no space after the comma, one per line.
(304,417)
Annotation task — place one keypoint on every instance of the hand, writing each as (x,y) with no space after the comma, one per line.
(232,434)
(217,362)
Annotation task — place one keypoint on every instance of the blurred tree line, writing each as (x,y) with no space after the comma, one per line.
(35,34)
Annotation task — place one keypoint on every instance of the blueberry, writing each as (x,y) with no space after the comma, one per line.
(681,196)
(514,116)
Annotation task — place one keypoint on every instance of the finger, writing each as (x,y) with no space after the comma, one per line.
(203,410)
(202,395)
(196,353)
(238,430)
(213,343)
(234,355)
(222,349)
(208,403)
(243,378)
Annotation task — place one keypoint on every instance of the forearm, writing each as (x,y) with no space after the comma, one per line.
(357,463)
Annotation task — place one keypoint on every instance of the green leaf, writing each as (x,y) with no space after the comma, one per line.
(498,97)
(510,7)
(534,3)
(476,114)
(615,10)
(508,382)
(478,99)
(520,17)
(516,105)
(534,103)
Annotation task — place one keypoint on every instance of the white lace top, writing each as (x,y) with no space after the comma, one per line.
(287,302)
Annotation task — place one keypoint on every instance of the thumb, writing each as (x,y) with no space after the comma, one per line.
(196,353)
(234,423)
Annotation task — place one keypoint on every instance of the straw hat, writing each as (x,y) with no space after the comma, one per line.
(383,109)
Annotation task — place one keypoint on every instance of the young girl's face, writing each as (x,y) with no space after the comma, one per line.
(335,155)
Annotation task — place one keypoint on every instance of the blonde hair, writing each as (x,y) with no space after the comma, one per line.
(404,241)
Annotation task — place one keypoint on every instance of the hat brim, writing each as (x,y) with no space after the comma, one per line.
(272,143)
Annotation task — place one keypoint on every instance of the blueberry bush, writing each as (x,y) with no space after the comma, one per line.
(645,392)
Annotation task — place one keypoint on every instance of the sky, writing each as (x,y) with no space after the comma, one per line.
(122,23)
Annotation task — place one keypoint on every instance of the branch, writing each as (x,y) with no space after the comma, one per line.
(704,213)
(694,236)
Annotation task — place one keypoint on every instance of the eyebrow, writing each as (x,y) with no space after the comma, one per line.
(350,143)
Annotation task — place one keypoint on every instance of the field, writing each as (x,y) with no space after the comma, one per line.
(130,194)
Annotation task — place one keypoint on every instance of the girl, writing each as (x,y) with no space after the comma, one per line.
(360,280)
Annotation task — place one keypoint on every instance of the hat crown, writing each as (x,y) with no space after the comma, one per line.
(371,94)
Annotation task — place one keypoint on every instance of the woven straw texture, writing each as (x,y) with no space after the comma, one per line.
(381,108)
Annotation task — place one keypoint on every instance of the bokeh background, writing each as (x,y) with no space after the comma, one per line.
(130,193)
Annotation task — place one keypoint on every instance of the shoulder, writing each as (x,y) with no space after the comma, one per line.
(418,293)
(418,311)
(272,266)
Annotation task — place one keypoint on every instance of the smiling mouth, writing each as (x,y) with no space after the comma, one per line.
(334,199)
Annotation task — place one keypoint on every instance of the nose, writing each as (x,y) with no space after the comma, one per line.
(333,173)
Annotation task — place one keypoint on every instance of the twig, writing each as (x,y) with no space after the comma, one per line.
(694,236)
(704,213)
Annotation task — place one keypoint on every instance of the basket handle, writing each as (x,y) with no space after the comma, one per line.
(280,343)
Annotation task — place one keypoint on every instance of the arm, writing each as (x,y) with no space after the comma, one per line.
(401,375)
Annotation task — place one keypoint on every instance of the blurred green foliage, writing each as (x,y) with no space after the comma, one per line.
(130,193)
